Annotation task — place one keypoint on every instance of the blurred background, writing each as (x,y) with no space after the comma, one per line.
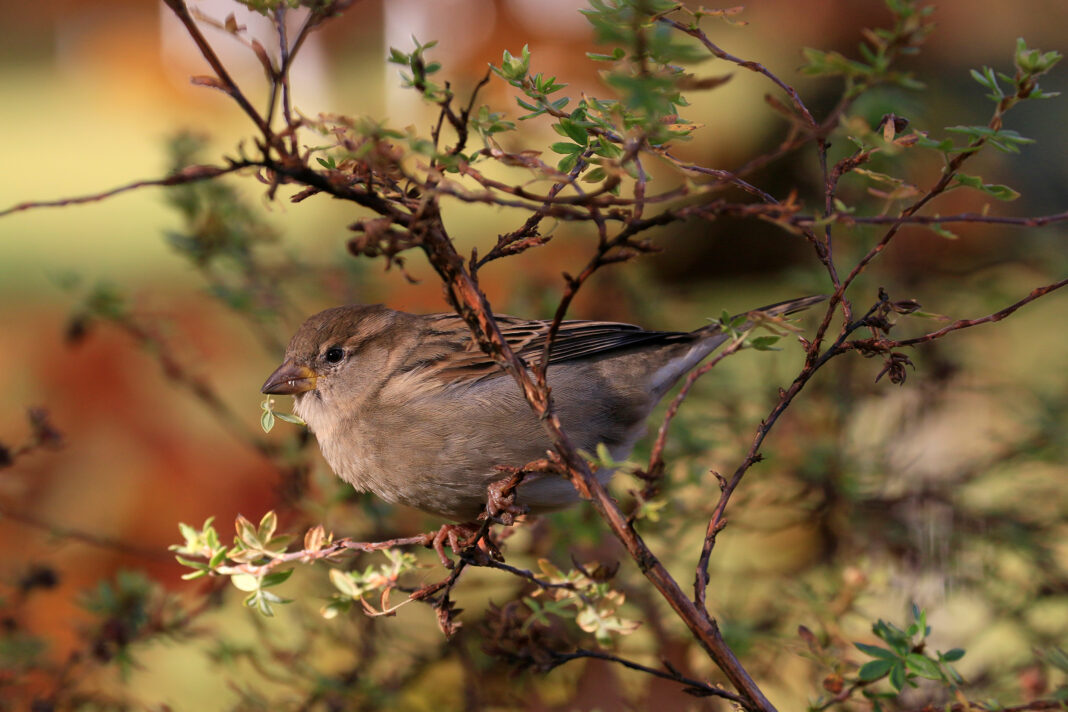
(947,491)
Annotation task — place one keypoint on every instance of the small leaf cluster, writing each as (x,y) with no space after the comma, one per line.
(912,24)
(903,661)
(538,88)
(419,71)
(268,416)
(1004,140)
(603,460)
(583,596)
(1030,65)
(486,123)
(355,586)
(243,562)
(1023,85)
(646,74)
(737,327)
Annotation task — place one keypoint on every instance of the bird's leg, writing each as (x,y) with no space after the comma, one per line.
(451,533)
(500,497)
(500,508)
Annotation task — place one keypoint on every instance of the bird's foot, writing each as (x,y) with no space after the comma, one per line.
(458,537)
(500,498)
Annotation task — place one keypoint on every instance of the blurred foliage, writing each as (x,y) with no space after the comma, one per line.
(940,496)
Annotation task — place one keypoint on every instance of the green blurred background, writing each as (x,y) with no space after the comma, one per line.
(948,491)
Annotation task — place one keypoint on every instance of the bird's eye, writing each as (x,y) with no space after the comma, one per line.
(334,355)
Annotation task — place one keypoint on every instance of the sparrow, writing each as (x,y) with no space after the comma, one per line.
(409,407)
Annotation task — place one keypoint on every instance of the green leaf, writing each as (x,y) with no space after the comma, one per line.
(290,418)
(246,533)
(267,421)
(198,565)
(564,147)
(1001,192)
(763,343)
(275,577)
(923,666)
(217,558)
(268,525)
(944,145)
(567,163)
(874,670)
(952,655)
(897,676)
(595,176)
(344,582)
(572,130)
(335,607)
(937,229)
(261,601)
(876,652)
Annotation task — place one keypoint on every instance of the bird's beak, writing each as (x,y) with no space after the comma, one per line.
(290,379)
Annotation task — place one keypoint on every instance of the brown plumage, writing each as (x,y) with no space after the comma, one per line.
(408,407)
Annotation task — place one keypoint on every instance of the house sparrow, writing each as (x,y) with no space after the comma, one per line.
(409,407)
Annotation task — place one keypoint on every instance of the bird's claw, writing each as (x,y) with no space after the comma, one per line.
(500,499)
(452,534)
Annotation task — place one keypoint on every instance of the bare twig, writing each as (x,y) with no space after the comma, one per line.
(178,7)
(698,687)
(968,323)
(757,67)
(190,174)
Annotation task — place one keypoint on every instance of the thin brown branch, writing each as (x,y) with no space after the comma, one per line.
(656,458)
(472,305)
(1032,706)
(757,67)
(178,7)
(727,486)
(968,323)
(699,687)
(723,178)
(970,218)
(189,174)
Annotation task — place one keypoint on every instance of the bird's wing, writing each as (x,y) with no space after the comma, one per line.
(449,353)
(574,340)
(580,339)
